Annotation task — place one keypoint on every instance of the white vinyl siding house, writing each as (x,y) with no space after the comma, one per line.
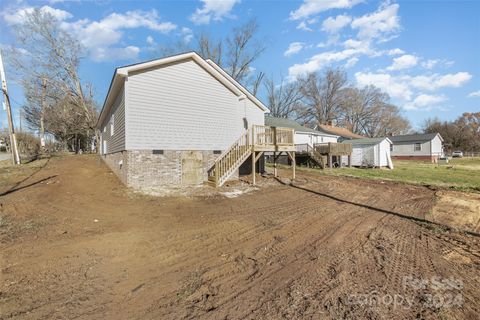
(112,136)
(164,122)
(182,107)
(417,147)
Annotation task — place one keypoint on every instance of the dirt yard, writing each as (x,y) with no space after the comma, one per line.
(75,244)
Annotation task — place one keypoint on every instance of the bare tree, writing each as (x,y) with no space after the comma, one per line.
(460,134)
(387,121)
(235,54)
(359,107)
(283,99)
(51,55)
(322,95)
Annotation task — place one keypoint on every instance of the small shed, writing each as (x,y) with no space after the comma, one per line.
(370,152)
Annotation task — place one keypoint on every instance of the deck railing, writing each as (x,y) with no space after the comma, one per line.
(303,148)
(334,148)
(271,136)
(231,159)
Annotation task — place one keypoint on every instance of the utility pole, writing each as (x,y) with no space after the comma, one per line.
(42,125)
(20,116)
(13,139)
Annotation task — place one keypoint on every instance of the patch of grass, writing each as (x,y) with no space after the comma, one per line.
(460,174)
(11,174)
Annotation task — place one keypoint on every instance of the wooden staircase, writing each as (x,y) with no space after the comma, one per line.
(317,157)
(230,160)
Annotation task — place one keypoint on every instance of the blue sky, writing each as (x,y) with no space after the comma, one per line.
(425,54)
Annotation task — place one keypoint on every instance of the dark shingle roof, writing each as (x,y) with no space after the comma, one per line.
(371,141)
(413,137)
(288,123)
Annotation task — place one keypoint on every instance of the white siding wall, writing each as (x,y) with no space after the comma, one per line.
(437,149)
(369,155)
(183,107)
(115,142)
(311,139)
(384,149)
(408,149)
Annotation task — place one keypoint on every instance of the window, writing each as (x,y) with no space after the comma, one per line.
(418,146)
(112,125)
(217,151)
(157,151)
(391,147)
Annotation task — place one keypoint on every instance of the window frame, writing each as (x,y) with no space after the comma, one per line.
(112,125)
(419,144)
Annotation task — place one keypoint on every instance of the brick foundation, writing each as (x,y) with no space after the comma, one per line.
(144,170)
(118,163)
(432,159)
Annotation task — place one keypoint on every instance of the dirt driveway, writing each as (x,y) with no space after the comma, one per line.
(74,244)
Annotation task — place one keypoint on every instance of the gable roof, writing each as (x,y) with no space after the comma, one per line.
(121,73)
(339,131)
(288,123)
(367,141)
(415,137)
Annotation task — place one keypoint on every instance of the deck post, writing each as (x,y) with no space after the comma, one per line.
(350,161)
(253,168)
(294,164)
(274,164)
(340,164)
(330,160)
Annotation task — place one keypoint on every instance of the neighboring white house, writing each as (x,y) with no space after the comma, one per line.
(426,147)
(303,135)
(164,122)
(370,152)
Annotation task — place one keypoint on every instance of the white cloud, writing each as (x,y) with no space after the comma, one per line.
(313,7)
(304,26)
(150,40)
(351,62)
(319,61)
(100,36)
(333,25)
(404,62)
(402,87)
(435,81)
(425,102)
(294,48)
(474,94)
(107,54)
(394,52)
(396,89)
(213,9)
(429,64)
(379,24)
(18,16)
(187,34)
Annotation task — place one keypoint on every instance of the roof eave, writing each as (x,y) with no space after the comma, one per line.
(239,86)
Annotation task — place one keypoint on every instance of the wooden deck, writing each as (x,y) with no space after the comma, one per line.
(336,149)
(266,138)
(253,143)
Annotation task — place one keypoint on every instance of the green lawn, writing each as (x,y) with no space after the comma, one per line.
(462,174)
